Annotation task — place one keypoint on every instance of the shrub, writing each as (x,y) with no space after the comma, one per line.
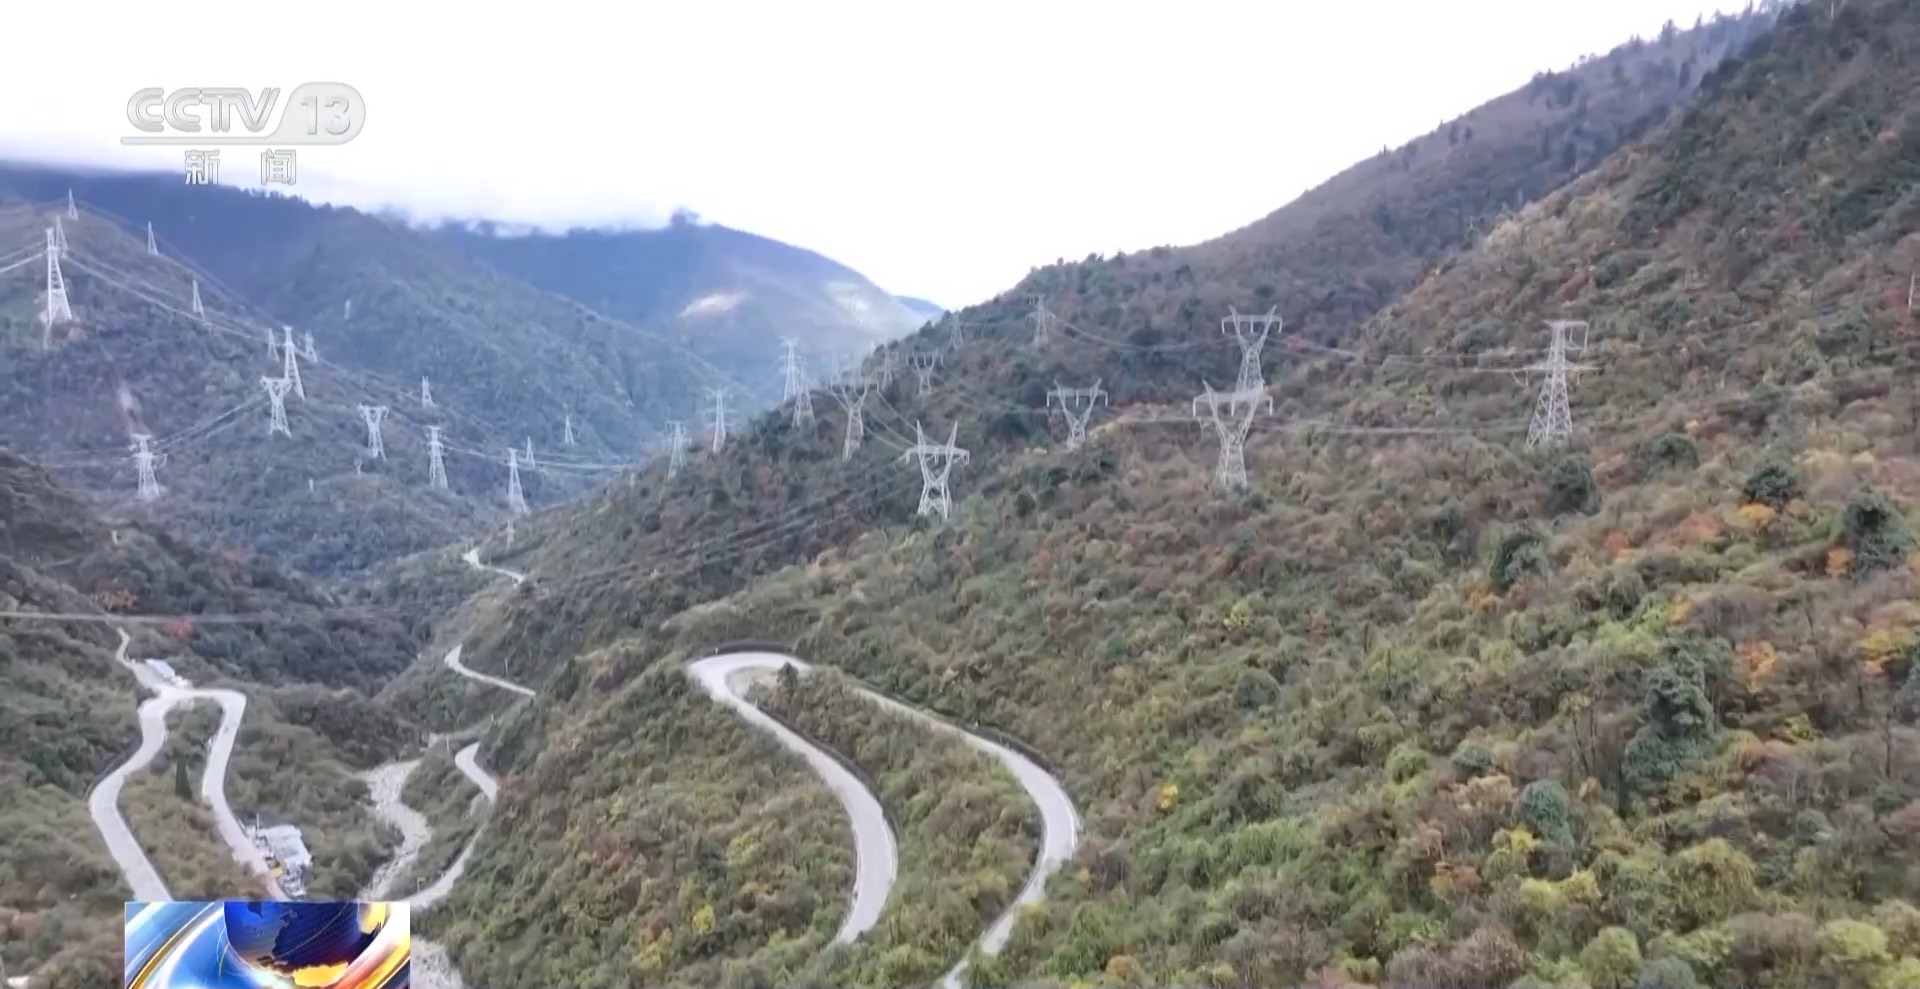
(1471,759)
(1570,488)
(1612,958)
(1519,554)
(1674,450)
(1773,483)
(1876,532)
(1545,809)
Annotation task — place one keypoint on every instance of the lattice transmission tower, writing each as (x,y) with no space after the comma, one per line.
(153,246)
(426,394)
(1553,413)
(719,396)
(677,444)
(923,365)
(566,430)
(1042,321)
(936,466)
(1242,407)
(144,461)
(516,499)
(851,389)
(436,460)
(277,389)
(1251,333)
(374,415)
(58,311)
(60,234)
(794,382)
(1076,405)
(290,363)
(198,309)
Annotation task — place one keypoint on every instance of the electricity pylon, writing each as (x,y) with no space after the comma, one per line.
(311,353)
(144,461)
(677,443)
(794,382)
(426,394)
(277,394)
(516,501)
(72,212)
(198,309)
(956,332)
(290,363)
(851,390)
(374,415)
(1231,471)
(1553,413)
(153,247)
(273,345)
(885,368)
(57,308)
(1076,405)
(719,396)
(59,234)
(923,365)
(1041,320)
(436,460)
(1251,333)
(530,464)
(566,430)
(934,496)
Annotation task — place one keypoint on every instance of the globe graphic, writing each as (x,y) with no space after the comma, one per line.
(285,938)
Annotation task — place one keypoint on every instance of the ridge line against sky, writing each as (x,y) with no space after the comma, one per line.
(940,151)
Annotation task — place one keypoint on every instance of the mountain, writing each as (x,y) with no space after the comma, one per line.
(509,366)
(725,294)
(1420,707)
(67,715)
(927,311)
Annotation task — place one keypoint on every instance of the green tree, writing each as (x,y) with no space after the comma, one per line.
(1611,959)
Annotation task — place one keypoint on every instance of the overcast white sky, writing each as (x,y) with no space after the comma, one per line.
(942,149)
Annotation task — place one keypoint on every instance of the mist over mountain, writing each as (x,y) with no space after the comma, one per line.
(727,295)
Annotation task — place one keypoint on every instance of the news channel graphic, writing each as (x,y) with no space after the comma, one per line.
(207,121)
(267,944)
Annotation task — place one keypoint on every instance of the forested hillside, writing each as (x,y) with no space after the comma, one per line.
(135,360)
(1421,707)
(745,513)
(727,295)
(399,304)
(67,715)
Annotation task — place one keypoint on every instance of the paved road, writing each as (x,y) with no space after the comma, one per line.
(472,557)
(724,676)
(1059,825)
(876,855)
(104,803)
(454,664)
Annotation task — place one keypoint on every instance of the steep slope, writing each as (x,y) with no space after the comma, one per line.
(779,497)
(135,360)
(67,716)
(725,294)
(1416,710)
(398,304)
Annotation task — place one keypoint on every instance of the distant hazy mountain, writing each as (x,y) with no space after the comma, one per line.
(510,365)
(921,307)
(727,295)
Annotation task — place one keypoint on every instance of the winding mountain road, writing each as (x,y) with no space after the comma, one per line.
(472,557)
(726,677)
(876,854)
(453,663)
(104,803)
